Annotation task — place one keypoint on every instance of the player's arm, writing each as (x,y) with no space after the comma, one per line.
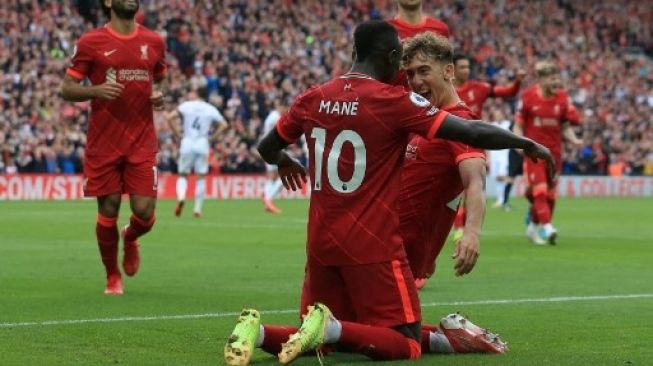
(174,119)
(159,90)
(291,172)
(72,90)
(510,90)
(472,174)
(570,135)
(489,137)
(222,127)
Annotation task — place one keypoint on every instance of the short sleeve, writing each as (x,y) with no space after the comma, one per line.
(418,116)
(82,60)
(463,152)
(216,115)
(160,67)
(289,125)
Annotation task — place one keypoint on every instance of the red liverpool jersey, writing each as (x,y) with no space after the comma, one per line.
(428,24)
(432,166)
(474,93)
(356,128)
(542,118)
(124,125)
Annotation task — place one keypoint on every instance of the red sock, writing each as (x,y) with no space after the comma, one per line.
(274,336)
(138,227)
(551,200)
(378,343)
(541,209)
(106,231)
(459,221)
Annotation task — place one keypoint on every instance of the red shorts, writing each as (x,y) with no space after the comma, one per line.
(424,238)
(536,173)
(135,174)
(378,294)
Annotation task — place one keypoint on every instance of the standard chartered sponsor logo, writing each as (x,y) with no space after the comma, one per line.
(133,75)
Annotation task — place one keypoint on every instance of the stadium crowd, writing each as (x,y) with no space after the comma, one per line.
(251,53)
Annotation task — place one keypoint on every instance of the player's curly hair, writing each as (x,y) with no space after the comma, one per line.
(545,68)
(105,9)
(431,45)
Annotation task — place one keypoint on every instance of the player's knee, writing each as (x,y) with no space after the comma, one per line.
(109,206)
(143,209)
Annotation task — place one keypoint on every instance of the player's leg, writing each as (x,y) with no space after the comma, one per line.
(515,169)
(184,167)
(106,231)
(102,180)
(273,187)
(456,334)
(384,298)
(140,180)
(201,169)
(550,232)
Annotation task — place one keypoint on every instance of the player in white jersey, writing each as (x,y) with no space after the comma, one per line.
(197,117)
(499,159)
(273,184)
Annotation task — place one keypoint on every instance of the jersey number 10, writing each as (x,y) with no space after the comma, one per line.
(360,160)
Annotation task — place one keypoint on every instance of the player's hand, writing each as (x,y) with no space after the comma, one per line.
(537,151)
(466,253)
(292,173)
(157,100)
(521,74)
(109,91)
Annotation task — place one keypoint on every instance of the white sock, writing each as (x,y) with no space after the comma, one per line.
(182,185)
(548,228)
(277,185)
(200,187)
(438,343)
(501,186)
(333,331)
(261,336)
(267,191)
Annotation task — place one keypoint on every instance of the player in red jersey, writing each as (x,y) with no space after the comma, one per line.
(122,61)
(437,172)
(357,275)
(411,21)
(546,115)
(474,93)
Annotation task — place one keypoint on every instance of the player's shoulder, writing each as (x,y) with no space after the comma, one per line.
(531,92)
(461,110)
(93,35)
(147,32)
(562,95)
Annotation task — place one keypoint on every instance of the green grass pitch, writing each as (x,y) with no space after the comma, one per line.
(197,273)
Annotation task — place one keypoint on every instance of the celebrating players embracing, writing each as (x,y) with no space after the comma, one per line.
(124,63)
(357,277)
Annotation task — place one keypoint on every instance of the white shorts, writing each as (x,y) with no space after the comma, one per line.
(499,163)
(194,155)
(271,168)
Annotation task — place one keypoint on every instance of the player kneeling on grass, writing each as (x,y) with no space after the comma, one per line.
(198,117)
(438,172)
(357,276)
(125,64)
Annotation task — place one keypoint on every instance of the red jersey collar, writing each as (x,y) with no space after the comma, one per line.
(122,36)
(356,75)
(409,25)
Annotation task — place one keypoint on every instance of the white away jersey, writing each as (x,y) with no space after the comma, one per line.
(197,117)
(270,121)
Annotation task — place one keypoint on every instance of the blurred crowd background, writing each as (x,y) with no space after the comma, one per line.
(251,53)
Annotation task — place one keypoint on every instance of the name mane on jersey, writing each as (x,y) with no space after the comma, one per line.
(338,108)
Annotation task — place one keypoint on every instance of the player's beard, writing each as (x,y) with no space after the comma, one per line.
(124,8)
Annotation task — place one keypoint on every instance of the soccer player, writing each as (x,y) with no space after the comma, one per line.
(499,161)
(546,115)
(125,65)
(273,184)
(411,21)
(437,172)
(198,116)
(357,276)
(474,93)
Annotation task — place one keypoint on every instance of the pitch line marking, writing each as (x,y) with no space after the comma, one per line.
(293,311)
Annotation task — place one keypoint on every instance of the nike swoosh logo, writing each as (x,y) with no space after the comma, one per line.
(109,53)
